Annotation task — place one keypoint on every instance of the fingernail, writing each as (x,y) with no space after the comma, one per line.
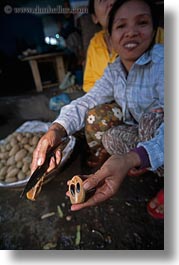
(39,162)
(72,208)
(86,185)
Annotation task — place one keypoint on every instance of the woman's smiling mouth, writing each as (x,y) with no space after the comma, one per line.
(131,45)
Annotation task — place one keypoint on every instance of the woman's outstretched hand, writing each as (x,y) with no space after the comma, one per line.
(107,180)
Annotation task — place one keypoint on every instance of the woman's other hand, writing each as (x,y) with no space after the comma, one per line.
(50,139)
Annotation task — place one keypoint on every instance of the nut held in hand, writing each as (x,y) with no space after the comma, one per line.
(77,193)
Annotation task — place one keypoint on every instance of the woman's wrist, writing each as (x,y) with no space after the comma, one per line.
(132,159)
(58,128)
(144,157)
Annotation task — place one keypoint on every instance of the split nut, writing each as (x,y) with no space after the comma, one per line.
(76,190)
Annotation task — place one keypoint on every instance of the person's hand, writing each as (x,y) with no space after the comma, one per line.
(47,141)
(108,179)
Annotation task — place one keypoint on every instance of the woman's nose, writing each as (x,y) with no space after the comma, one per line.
(131,31)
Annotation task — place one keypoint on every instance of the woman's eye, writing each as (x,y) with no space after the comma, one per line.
(143,22)
(120,26)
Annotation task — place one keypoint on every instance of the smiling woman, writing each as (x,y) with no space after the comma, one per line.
(135,81)
(132,29)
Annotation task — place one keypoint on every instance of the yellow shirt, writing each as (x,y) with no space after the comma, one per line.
(159,36)
(98,58)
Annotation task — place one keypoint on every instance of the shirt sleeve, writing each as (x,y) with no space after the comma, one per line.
(155,148)
(72,116)
(142,153)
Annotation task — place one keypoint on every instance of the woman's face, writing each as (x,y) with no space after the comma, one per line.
(102,8)
(132,31)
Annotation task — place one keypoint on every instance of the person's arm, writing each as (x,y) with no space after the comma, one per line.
(155,148)
(72,119)
(72,116)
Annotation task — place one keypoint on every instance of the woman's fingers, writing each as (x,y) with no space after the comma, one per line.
(102,193)
(39,154)
(58,155)
(55,160)
(52,163)
(94,179)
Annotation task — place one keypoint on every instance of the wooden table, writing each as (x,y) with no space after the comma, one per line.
(55,58)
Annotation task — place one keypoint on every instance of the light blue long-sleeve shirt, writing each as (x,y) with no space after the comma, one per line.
(140,91)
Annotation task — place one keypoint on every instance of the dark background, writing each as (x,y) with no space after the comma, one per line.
(19,32)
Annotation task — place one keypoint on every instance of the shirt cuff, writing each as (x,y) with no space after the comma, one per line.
(145,162)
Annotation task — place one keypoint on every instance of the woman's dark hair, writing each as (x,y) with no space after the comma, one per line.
(119,3)
(91,7)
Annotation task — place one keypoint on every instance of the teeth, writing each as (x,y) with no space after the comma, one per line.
(130,45)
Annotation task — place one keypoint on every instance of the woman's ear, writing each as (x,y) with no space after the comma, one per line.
(94,19)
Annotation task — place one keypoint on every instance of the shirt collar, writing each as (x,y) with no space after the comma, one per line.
(144,59)
(150,55)
(155,55)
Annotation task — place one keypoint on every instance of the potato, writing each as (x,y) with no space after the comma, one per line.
(10,180)
(16,155)
(12,173)
(3,172)
(8,138)
(31,150)
(10,168)
(27,159)
(4,155)
(13,141)
(19,164)
(8,147)
(27,147)
(21,175)
(25,168)
(20,155)
(19,137)
(11,161)
(34,140)
(3,161)
(14,150)
(24,140)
